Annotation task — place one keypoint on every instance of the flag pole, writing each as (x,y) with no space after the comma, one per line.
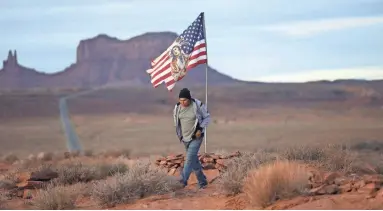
(206,65)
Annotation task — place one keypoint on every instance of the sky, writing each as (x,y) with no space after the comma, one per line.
(254,40)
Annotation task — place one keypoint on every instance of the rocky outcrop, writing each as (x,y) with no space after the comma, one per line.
(336,183)
(105,60)
(175,163)
(15,76)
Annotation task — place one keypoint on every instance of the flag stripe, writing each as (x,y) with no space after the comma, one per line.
(202,61)
(162,55)
(158,69)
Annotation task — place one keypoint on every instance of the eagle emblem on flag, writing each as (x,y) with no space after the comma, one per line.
(179,59)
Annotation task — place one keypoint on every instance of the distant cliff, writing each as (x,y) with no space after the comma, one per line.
(104,60)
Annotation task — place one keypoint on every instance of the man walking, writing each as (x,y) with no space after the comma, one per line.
(191,117)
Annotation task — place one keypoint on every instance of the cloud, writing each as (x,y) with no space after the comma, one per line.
(312,27)
(367,73)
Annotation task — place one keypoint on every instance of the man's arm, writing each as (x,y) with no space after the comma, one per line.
(175,115)
(205,116)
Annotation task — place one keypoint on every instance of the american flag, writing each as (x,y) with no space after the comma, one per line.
(185,53)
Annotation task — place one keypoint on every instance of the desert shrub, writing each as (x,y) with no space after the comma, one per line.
(107,169)
(222,152)
(11,176)
(88,153)
(73,173)
(274,181)
(332,157)
(55,198)
(367,145)
(45,156)
(339,158)
(3,201)
(118,153)
(10,158)
(231,180)
(7,184)
(139,181)
(305,153)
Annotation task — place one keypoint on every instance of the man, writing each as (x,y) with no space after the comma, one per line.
(190,119)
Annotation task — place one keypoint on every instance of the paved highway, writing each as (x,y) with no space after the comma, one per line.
(73,142)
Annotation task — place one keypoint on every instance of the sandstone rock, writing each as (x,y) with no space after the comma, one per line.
(221,162)
(172,171)
(235,154)
(379,193)
(331,189)
(369,188)
(309,186)
(315,185)
(43,175)
(20,193)
(219,167)
(345,188)
(178,161)
(359,184)
(208,160)
(31,185)
(330,178)
(171,157)
(377,178)
(208,166)
(7,184)
(224,156)
(27,194)
(175,165)
(341,181)
(324,189)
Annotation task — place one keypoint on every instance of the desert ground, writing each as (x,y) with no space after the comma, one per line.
(243,118)
(296,128)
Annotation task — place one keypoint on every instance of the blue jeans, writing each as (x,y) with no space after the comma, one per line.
(192,163)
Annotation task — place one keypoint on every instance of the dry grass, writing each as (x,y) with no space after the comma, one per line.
(231,180)
(72,173)
(88,153)
(271,182)
(11,176)
(306,153)
(3,201)
(45,156)
(10,158)
(56,198)
(140,181)
(331,157)
(117,153)
(367,145)
(7,184)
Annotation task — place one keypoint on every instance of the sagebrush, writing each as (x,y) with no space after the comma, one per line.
(231,180)
(139,181)
(73,173)
(274,181)
(56,198)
